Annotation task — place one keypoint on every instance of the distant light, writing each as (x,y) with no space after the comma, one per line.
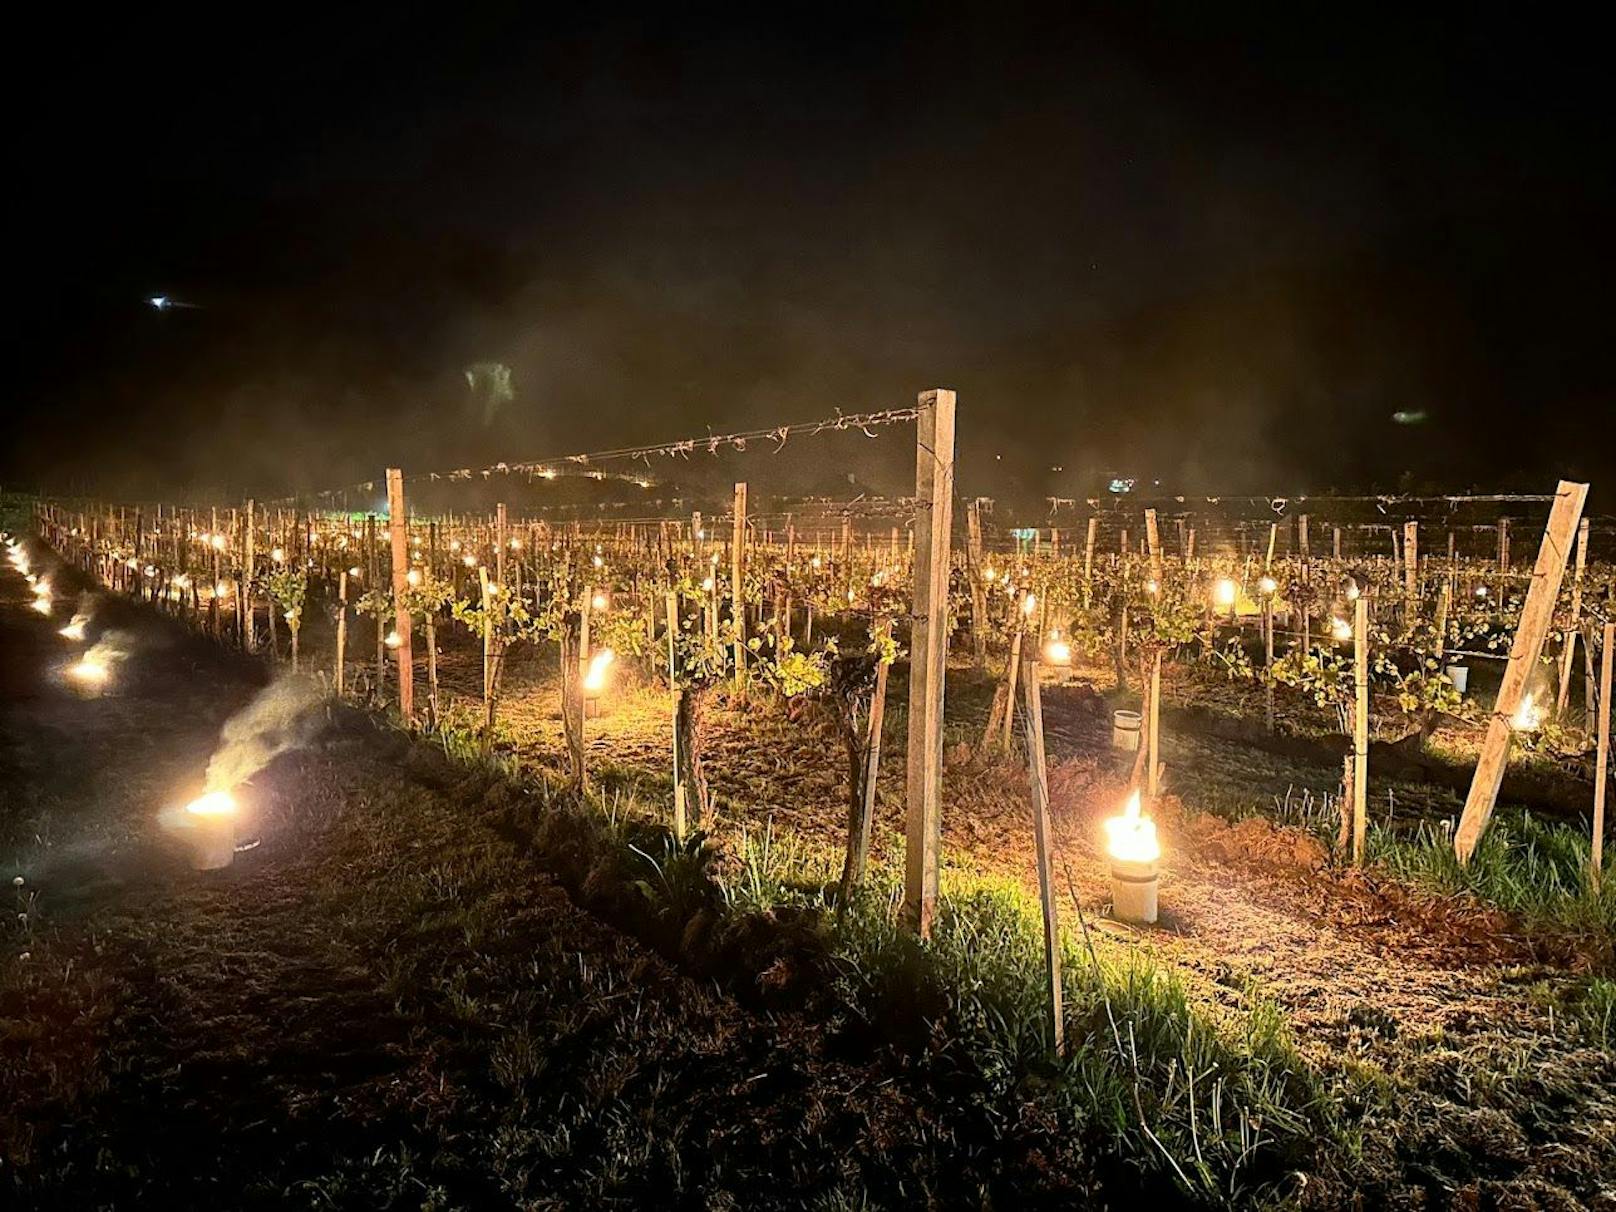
(160,302)
(1225,592)
(599,602)
(1412,416)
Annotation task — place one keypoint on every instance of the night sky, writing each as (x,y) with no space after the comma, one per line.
(1217,249)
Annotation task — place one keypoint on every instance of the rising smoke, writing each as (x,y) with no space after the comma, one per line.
(281,717)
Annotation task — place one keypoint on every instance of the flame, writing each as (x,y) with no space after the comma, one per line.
(393,639)
(43,605)
(1131,837)
(1225,592)
(1527,716)
(1029,604)
(599,602)
(214,803)
(73,631)
(1057,651)
(1340,629)
(1268,584)
(595,676)
(88,670)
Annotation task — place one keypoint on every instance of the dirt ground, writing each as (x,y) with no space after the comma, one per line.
(388,1004)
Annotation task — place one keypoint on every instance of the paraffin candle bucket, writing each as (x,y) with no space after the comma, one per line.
(1133,890)
(1459,675)
(1125,730)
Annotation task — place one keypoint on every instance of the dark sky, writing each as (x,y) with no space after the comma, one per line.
(1220,248)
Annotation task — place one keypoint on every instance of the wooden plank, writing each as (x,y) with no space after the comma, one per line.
(1360,728)
(1153,538)
(398,523)
(1602,759)
(934,505)
(1530,632)
(1038,781)
(1411,564)
(1088,555)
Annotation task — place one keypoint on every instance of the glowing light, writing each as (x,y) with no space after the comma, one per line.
(160,302)
(88,670)
(73,631)
(1267,584)
(1152,588)
(595,675)
(1057,651)
(549,473)
(42,589)
(470,561)
(278,555)
(516,544)
(599,602)
(454,544)
(217,542)
(1340,628)
(393,639)
(412,578)
(1131,837)
(816,562)
(182,581)
(42,605)
(1225,592)
(1029,604)
(1527,716)
(988,574)
(1481,591)
(354,572)
(221,589)
(707,584)
(214,803)
(600,562)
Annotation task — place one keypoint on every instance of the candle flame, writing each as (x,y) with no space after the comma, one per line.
(595,676)
(1527,716)
(214,803)
(88,670)
(1224,592)
(1131,837)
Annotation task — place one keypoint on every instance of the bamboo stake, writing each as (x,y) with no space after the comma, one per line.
(1038,783)
(398,526)
(1360,728)
(1602,760)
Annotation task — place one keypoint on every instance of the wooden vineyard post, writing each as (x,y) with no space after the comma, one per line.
(1335,542)
(1152,728)
(1088,556)
(737,587)
(1153,538)
(1503,546)
(245,597)
(934,503)
(1017,644)
(342,630)
(398,525)
(1301,536)
(1360,728)
(1530,632)
(1570,649)
(679,823)
(1411,573)
(487,599)
(1038,782)
(1602,760)
(500,543)
(430,618)
(1268,557)
(979,597)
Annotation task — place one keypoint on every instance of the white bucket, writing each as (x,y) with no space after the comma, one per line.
(213,841)
(1133,891)
(1125,730)
(1459,675)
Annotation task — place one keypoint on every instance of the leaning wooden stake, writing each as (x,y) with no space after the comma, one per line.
(928,647)
(872,760)
(1038,781)
(1360,728)
(737,587)
(399,529)
(679,824)
(1530,632)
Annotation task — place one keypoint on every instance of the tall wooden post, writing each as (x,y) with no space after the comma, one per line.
(934,506)
(398,525)
(1038,781)
(979,597)
(1360,727)
(1088,555)
(737,586)
(500,543)
(679,791)
(1530,632)
(1153,727)
(1301,536)
(1503,544)
(244,595)
(342,631)
(1153,538)
(1411,564)
(1602,759)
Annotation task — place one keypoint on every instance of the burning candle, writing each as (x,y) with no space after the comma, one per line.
(213,821)
(595,675)
(1056,650)
(1134,853)
(1527,716)
(1225,592)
